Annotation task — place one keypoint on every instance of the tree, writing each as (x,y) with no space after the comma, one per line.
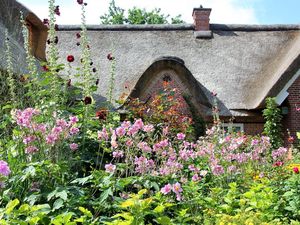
(116,15)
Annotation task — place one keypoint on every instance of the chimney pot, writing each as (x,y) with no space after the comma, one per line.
(201,16)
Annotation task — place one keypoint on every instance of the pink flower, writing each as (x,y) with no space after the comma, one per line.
(29,139)
(278,163)
(118,154)
(139,124)
(73,120)
(165,131)
(166,189)
(296,170)
(176,188)
(180,136)
(61,123)
(73,146)
(148,128)
(129,142)
(217,170)
(31,149)
(56,130)
(74,130)
(120,131)
(196,178)
(4,168)
(110,168)
(103,135)
(51,139)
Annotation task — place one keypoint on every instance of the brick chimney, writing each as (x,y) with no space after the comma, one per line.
(201,22)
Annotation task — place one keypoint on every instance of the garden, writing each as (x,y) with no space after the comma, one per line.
(66,161)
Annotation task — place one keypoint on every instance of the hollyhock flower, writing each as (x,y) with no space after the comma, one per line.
(97,82)
(45,68)
(73,146)
(291,139)
(180,136)
(74,130)
(296,170)
(78,43)
(46,21)
(31,149)
(70,58)
(101,114)
(4,168)
(56,40)
(56,27)
(110,168)
(166,189)
(94,70)
(80,2)
(87,100)
(56,10)
(78,35)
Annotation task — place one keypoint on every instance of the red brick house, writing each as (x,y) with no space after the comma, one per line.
(243,64)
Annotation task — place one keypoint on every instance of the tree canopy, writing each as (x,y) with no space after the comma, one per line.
(118,15)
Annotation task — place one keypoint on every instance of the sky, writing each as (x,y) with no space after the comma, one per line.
(223,11)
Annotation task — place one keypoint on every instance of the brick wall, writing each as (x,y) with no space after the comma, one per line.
(291,121)
(253,128)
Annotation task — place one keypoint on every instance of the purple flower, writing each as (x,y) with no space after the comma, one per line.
(176,188)
(218,170)
(31,149)
(74,130)
(110,168)
(180,136)
(4,168)
(166,189)
(118,154)
(73,146)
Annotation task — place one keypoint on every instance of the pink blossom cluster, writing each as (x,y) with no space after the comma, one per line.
(279,153)
(4,168)
(170,156)
(175,188)
(37,134)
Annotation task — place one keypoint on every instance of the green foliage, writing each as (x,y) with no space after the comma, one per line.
(272,126)
(116,15)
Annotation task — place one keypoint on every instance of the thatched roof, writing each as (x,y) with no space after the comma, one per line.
(242,63)
(10,20)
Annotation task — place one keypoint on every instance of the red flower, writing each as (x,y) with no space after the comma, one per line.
(55,40)
(296,170)
(80,2)
(87,100)
(70,58)
(101,114)
(56,10)
(291,139)
(46,21)
(45,68)
(56,27)
(78,35)
(110,57)
(85,4)
(278,163)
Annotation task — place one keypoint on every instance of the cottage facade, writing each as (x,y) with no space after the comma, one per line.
(243,64)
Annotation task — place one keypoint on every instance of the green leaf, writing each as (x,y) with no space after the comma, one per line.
(104,195)
(11,205)
(58,204)
(85,212)
(62,194)
(164,220)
